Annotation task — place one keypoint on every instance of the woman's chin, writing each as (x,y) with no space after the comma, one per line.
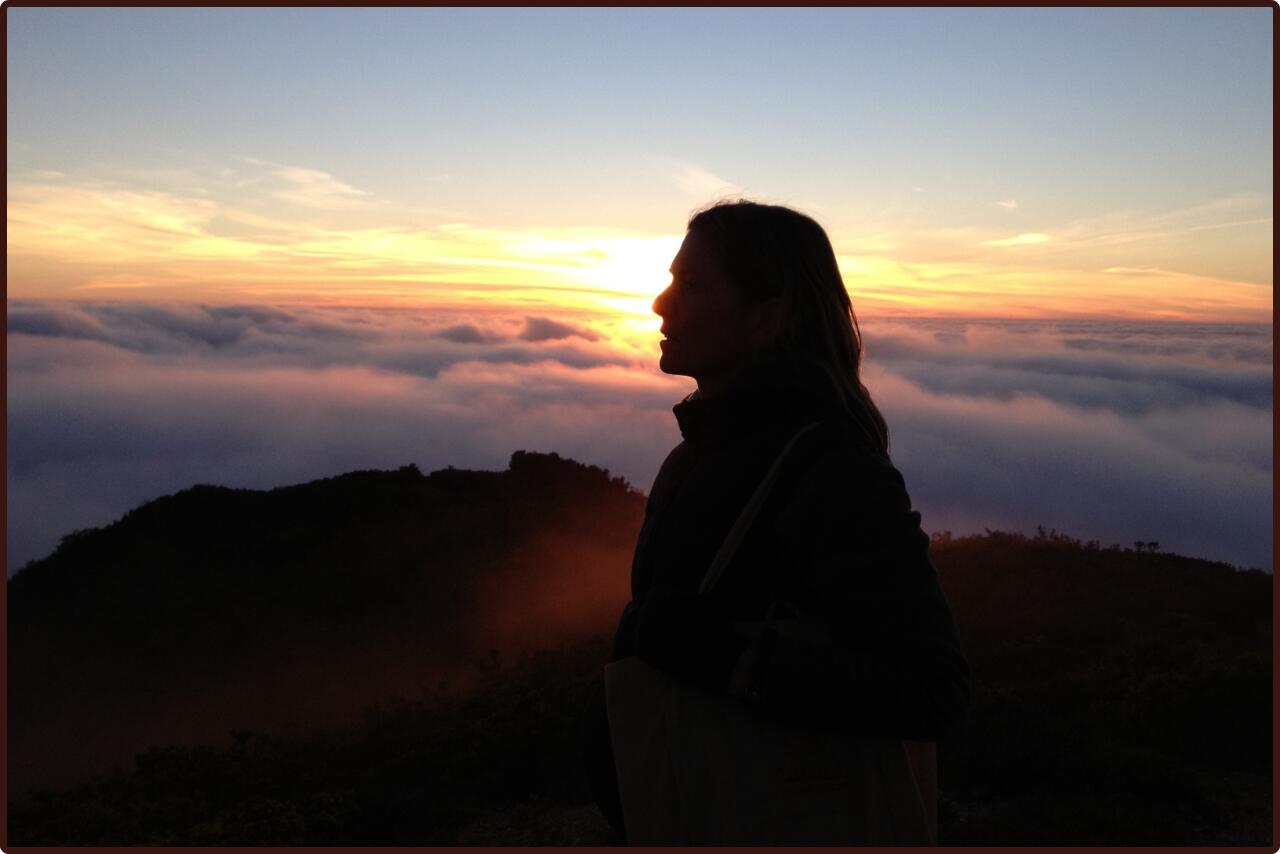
(670,364)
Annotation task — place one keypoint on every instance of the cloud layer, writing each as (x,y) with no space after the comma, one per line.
(1115,432)
(1108,431)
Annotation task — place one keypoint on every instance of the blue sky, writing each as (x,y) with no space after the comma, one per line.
(535,114)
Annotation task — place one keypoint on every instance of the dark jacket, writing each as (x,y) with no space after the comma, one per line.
(837,539)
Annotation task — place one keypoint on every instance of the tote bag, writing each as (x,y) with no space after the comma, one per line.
(698,768)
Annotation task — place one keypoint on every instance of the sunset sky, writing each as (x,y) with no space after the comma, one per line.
(989,162)
(259,246)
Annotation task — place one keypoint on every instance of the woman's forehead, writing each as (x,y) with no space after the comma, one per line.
(694,255)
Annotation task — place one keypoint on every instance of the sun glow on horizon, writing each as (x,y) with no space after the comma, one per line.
(96,240)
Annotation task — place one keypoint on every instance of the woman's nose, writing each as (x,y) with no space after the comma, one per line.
(660,303)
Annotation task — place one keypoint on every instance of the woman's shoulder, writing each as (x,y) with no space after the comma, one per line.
(671,473)
(840,447)
(846,519)
(837,468)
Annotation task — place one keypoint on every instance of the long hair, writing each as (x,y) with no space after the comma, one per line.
(769,251)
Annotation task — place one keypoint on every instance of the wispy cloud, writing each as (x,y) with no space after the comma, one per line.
(701,182)
(119,282)
(1009,204)
(1019,240)
(81,222)
(315,189)
(1266,220)
(200,245)
(1135,226)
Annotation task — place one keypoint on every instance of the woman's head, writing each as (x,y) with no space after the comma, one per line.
(751,279)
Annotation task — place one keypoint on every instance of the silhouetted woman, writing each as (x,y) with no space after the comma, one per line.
(758,315)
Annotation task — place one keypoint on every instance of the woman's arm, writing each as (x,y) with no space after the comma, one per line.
(892,663)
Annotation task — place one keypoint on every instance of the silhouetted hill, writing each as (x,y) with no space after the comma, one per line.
(219,607)
(1119,695)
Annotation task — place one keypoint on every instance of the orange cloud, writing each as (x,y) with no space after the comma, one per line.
(193,247)
(245,240)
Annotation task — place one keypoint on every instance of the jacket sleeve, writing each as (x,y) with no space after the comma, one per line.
(624,637)
(891,665)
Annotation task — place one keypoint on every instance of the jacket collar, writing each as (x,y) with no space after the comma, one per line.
(774,392)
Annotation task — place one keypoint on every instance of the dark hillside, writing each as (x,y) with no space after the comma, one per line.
(1118,694)
(216,608)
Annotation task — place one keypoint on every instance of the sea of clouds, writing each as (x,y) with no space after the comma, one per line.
(1114,431)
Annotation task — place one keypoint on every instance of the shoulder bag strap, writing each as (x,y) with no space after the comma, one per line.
(739,530)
